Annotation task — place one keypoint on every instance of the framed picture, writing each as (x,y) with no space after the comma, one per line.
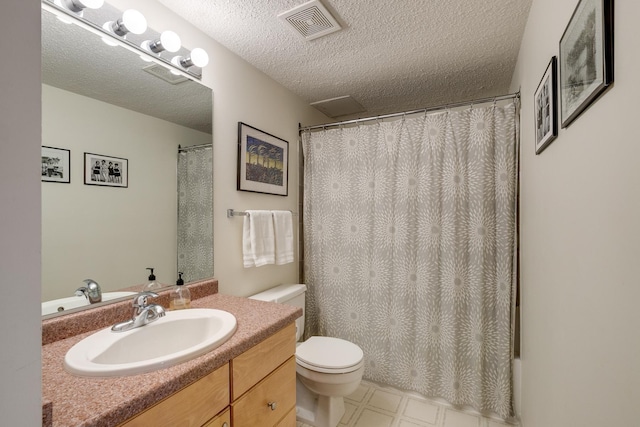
(106,171)
(586,57)
(56,165)
(263,161)
(545,108)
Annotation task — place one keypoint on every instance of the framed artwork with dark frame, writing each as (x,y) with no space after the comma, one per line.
(545,108)
(106,171)
(586,57)
(263,162)
(56,165)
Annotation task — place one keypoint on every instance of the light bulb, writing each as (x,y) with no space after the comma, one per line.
(171,41)
(199,57)
(132,21)
(168,41)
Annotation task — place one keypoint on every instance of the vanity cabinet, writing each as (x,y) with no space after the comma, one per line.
(264,383)
(256,388)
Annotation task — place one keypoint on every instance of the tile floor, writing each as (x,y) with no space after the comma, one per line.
(374,405)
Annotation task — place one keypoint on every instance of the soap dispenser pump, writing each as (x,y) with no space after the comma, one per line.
(152,285)
(180,295)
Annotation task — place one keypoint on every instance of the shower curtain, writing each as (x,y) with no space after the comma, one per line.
(195,213)
(409,230)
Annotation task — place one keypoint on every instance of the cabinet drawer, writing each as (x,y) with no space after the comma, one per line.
(222,420)
(194,405)
(256,363)
(279,389)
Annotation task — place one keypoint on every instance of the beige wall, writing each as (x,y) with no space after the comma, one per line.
(109,234)
(580,240)
(240,93)
(20,402)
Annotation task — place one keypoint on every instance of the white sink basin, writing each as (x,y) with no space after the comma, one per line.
(175,338)
(63,304)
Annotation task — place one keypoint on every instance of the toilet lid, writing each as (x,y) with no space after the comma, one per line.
(329,353)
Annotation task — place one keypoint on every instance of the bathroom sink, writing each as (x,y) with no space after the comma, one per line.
(175,338)
(64,304)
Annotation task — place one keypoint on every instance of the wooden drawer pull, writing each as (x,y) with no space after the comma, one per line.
(272,405)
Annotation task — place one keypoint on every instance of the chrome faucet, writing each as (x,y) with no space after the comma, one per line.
(143,313)
(91,291)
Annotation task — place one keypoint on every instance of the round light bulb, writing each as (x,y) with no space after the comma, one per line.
(134,21)
(199,57)
(170,41)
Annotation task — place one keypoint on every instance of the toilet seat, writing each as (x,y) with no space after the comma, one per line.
(329,355)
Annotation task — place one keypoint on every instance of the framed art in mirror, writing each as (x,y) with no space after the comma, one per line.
(586,57)
(105,170)
(263,161)
(56,165)
(546,101)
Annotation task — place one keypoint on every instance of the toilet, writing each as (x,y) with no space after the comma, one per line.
(327,368)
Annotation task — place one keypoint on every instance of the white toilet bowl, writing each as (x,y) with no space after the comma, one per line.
(327,370)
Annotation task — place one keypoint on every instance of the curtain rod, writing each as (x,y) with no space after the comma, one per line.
(194,147)
(406,113)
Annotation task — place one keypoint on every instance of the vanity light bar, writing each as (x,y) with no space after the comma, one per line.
(117,41)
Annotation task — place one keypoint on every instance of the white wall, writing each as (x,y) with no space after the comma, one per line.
(109,234)
(240,93)
(580,240)
(20,404)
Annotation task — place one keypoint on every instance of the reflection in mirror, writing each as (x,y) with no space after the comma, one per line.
(106,101)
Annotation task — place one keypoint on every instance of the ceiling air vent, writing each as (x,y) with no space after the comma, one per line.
(311,20)
(340,106)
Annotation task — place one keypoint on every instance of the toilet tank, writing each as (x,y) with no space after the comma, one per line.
(286,294)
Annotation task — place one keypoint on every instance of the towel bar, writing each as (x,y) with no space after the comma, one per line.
(232,213)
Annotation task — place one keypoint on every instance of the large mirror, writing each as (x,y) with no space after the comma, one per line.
(107,102)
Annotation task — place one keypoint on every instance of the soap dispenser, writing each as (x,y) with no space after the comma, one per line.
(180,296)
(152,285)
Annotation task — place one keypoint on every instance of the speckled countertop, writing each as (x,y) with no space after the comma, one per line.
(78,401)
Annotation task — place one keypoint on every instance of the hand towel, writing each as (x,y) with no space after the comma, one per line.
(258,244)
(283,232)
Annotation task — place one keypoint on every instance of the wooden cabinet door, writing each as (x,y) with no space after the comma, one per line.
(192,406)
(257,362)
(269,401)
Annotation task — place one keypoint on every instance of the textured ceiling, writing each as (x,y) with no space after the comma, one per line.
(78,61)
(391,55)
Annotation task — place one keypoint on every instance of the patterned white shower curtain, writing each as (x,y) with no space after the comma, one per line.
(195,213)
(409,230)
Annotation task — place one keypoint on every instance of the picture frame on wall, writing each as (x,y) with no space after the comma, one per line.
(545,108)
(56,165)
(106,171)
(263,162)
(586,57)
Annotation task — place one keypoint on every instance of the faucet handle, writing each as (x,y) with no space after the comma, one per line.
(141,299)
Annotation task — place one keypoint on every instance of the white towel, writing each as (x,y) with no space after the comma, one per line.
(258,246)
(283,231)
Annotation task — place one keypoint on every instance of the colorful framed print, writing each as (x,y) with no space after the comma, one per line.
(263,162)
(586,57)
(106,171)
(546,102)
(56,165)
